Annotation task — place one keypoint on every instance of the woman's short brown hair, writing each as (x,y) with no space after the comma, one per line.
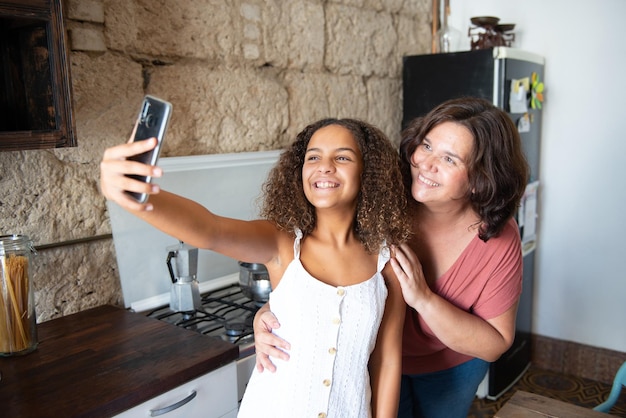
(497,168)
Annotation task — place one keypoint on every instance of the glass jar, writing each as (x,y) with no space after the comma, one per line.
(18,323)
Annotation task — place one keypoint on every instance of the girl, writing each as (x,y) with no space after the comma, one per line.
(332,205)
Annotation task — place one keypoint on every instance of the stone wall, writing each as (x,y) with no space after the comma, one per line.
(242,75)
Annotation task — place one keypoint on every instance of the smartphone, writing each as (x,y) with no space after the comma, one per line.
(152,122)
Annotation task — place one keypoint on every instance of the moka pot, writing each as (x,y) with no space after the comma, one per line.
(184,294)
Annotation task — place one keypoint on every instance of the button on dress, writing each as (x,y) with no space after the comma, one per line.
(332,331)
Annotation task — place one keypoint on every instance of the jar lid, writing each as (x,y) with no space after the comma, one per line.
(15,242)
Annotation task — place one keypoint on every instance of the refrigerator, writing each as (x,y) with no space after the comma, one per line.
(512,79)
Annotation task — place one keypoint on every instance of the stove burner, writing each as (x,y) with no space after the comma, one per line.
(235,329)
(225,313)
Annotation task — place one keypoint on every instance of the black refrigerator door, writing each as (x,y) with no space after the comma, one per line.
(514,69)
(429,80)
(505,371)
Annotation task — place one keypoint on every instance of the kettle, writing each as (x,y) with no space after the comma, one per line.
(184,294)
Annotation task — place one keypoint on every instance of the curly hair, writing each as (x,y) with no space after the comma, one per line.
(497,168)
(381,213)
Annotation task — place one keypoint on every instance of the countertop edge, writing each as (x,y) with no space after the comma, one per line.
(107,342)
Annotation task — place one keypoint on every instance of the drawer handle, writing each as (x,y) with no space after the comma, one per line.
(161,411)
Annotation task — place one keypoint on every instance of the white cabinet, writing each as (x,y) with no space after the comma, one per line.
(213,395)
(245,366)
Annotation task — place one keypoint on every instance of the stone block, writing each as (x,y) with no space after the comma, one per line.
(360,41)
(384,99)
(220,110)
(317,96)
(195,28)
(85,10)
(87,38)
(293,35)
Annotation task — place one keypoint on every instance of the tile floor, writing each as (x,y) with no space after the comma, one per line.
(568,388)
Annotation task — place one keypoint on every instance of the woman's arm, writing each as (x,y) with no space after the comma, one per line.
(459,330)
(254,241)
(265,343)
(386,360)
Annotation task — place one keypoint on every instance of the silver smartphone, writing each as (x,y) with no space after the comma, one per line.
(152,122)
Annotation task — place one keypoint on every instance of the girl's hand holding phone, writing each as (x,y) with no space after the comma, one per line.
(126,171)
(116,167)
(152,122)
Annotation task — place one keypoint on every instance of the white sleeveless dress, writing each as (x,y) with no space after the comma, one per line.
(332,332)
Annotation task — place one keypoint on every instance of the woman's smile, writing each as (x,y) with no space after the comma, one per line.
(427,181)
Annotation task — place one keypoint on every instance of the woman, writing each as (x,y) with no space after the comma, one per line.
(461,273)
(327,218)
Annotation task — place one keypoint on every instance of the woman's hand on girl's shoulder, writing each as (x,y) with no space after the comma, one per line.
(408,270)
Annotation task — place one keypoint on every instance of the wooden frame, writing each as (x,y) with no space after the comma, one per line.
(35,87)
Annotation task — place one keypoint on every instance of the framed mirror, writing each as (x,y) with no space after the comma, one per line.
(35,89)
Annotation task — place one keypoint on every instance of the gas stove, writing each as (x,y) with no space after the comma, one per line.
(225,313)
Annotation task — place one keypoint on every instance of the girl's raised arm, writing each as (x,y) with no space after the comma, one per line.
(184,219)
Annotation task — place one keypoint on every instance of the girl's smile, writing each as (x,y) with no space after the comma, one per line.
(332,168)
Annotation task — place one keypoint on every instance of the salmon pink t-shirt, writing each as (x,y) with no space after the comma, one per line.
(485,280)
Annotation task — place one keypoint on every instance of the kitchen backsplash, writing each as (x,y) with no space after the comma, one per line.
(227,184)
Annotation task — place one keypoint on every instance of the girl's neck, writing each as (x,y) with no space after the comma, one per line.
(335,228)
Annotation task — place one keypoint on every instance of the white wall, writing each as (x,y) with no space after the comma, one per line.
(580,287)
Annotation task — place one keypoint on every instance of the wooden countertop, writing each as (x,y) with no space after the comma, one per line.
(102,361)
(529,405)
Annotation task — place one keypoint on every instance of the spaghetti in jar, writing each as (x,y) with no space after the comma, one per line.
(18,323)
